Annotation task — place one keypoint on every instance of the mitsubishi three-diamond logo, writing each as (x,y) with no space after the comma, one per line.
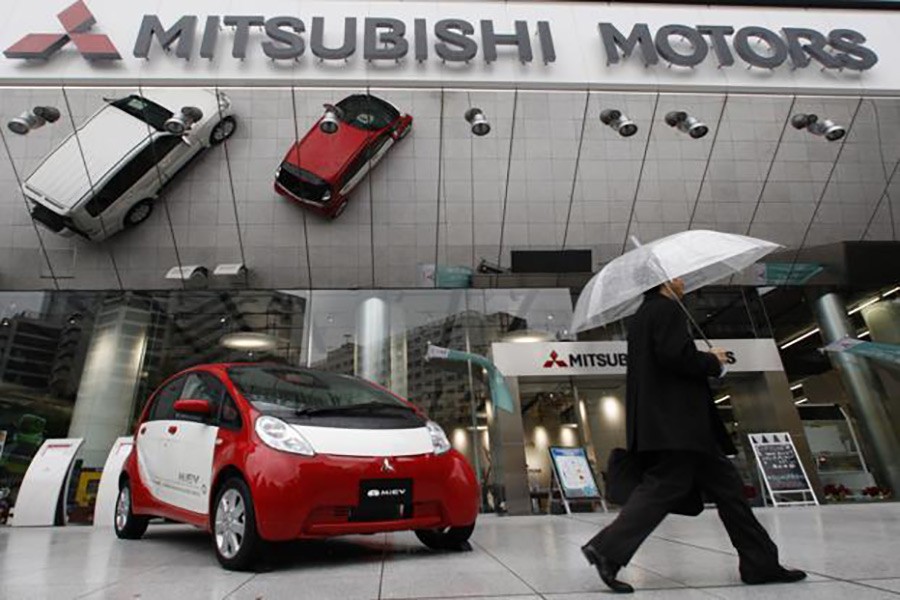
(555,361)
(77,21)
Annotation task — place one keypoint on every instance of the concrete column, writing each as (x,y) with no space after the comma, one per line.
(883,321)
(510,471)
(866,392)
(762,402)
(110,379)
(373,341)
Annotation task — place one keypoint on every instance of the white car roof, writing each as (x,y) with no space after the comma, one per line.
(106,139)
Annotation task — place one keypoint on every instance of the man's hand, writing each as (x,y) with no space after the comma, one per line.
(721,354)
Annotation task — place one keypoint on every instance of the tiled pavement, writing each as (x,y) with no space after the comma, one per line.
(849,552)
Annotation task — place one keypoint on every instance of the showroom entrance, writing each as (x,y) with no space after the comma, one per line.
(572,394)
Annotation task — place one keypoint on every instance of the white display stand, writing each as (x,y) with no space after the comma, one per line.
(572,476)
(45,480)
(782,471)
(108,490)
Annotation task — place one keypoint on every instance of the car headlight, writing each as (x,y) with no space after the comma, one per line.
(224,101)
(438,438)
(326,196)
(278,435)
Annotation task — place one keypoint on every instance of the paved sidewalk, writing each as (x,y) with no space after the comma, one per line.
(851,552)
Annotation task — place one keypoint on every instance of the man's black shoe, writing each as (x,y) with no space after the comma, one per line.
(607,570)
(780,575)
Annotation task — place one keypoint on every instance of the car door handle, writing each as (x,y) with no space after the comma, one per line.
(173,429)
(143,430)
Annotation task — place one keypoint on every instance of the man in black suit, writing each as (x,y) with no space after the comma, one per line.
(673,426)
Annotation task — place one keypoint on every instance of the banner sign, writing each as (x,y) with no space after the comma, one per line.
(500,394)
(886,353)
(547,359)
(780,466)
(574,474)
(46,479)
(472,44)
(785,273)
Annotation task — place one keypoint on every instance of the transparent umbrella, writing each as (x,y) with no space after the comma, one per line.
(699,257)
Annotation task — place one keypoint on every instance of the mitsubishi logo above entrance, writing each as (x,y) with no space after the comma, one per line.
(555,361)
(77,21)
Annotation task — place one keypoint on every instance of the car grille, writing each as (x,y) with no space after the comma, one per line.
(292,179)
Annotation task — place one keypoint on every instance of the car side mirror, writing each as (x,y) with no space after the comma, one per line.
(201,408)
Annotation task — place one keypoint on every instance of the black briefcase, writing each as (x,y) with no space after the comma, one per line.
(624,473)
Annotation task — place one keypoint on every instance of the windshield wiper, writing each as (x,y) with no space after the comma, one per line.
(367,407)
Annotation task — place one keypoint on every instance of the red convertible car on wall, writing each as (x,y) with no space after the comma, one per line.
(264,452)
(351,138)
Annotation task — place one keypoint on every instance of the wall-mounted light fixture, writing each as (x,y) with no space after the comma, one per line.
(618,122)
(33,119)
(828,128)
(179,124)
(479,123)
(192,273)
(685,123)
(331,121)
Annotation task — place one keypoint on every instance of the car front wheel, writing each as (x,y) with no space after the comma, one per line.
(128,525)
(237,541)
(447,538)
(139,213)
(223,130)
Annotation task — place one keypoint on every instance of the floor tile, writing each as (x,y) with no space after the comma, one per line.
(827,590)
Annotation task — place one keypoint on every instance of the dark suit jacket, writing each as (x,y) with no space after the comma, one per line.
(669,404)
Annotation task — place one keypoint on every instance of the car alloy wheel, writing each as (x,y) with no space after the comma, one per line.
(139,213)
(123,507)
(128,525)
(231,523)
(223,130)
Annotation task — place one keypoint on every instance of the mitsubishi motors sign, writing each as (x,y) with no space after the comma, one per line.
(549,359)
(428,44)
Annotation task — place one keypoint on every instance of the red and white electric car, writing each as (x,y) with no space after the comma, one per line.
(266,452)
(322,169)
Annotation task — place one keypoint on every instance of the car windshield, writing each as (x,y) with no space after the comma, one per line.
(367,112)
(280,390)
(140,108)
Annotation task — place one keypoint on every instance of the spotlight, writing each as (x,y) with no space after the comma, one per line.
(33,119)
(619,122)
(687,124)
(331,121)
(479,123)
(180,124)
(828,128)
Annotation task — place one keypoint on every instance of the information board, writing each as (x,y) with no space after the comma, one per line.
(574,474)
(781,468)
(45,480)
(108,490)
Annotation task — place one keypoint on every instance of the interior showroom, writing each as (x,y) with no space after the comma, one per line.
(294,291)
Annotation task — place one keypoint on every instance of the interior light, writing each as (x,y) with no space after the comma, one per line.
(864,334)
(800,338)
(868,302)
(796,387)
(248,341)
(801,401)
(723,399)
(891,292)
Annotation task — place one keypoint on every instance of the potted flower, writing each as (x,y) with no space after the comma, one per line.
(876,493)
(836,493)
